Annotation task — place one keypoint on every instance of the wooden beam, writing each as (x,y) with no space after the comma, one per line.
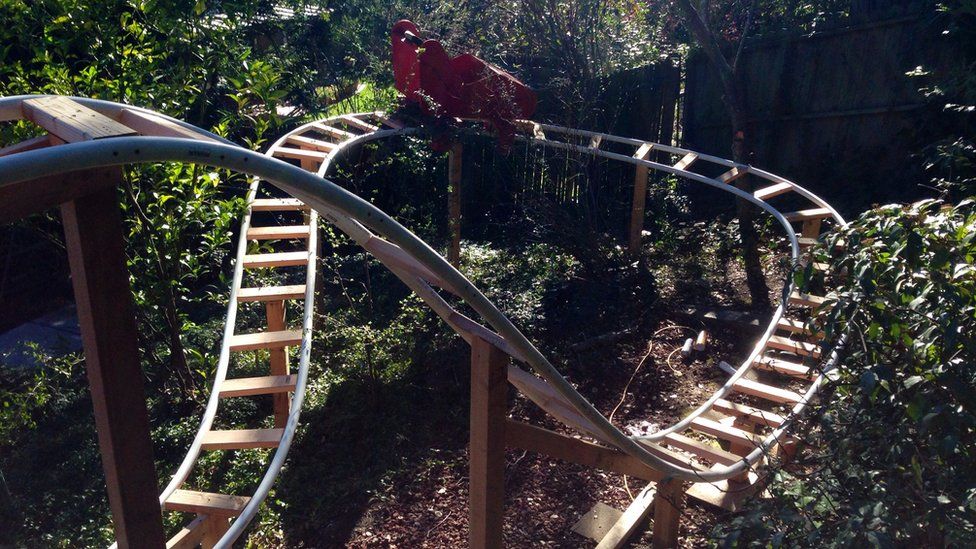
(543,441)
(275,314)
(72,121)
(486,454)
(630,521)
(149,124)
(27,145)
(546,397)
(190,536)
(94,238)
(668,502)
(454,203)
(24,198)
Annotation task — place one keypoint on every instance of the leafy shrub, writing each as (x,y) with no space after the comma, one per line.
(892,451)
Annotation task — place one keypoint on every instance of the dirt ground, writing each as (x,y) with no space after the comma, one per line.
(427,506)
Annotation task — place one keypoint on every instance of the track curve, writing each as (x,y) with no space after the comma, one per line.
(318,143)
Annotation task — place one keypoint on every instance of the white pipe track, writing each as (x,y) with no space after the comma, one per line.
(365,224)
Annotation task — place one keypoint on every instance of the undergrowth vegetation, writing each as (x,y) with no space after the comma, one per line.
(889,458)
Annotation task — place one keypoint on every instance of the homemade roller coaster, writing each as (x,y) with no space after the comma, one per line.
(77,165)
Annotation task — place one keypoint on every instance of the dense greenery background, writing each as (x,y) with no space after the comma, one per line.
(899,427)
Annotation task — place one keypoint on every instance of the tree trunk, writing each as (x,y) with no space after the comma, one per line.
(735,103)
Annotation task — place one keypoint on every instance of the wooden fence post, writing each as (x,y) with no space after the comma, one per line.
(94,238)
(454,203)
(486,454)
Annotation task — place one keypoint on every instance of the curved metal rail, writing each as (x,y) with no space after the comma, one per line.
(420,267)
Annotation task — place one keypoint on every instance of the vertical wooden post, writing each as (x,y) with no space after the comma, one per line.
(668,502)
(811,228)
(275,314)
(94,238)
(215,528)
(486,454)
(454,203)
(640,197)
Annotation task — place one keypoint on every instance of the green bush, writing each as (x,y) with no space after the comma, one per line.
(891,453)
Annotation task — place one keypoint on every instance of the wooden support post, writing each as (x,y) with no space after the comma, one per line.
(811,228)
(275,313)
(668,502)
(215,528)
(486,454)
(640,198)
(94,238)
(454,203)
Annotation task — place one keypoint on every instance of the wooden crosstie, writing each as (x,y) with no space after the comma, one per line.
(713,458)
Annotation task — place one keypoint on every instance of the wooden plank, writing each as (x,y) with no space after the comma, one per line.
(725,494)
(800,348)
(486,455)
(265,340)
(277,205)
(24,198)
(737,172)
(395,124)
(797,327)
(148,124)
(278,259)
(668,503)
(310,143)
(546,397)
(628,523)
(686,160)
(190,536)
(773,190)
(725,432)
(455,162)
(783,367)
(558,446)
(595,523)
(807,242)
(704,451)
(278,356)
(259,385)
(71,121)
(240,439)
(595,141)
(473,329)
(332,131)
(205,503)
(271,293)
(96,253)
(299,154)
(806,300)
(26,145)
(643,151)
(279,232)
(751,414)
(392,255)
(805,215)
(767,392)
(357,123)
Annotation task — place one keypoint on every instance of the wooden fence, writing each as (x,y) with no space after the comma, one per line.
(835,111)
